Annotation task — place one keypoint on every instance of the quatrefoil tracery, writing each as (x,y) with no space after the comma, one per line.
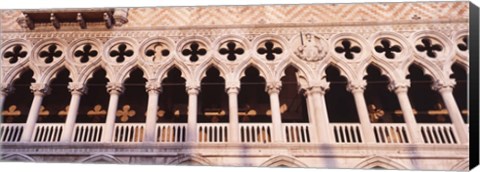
(463,45)
(387,48)
(194,52)
(85,53)
(157,50)
(348,49)
(15,53)
(231,50)
(50,53)
(429,47)
(269,50)
(121,52)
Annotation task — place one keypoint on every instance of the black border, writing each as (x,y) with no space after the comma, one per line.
(473,89)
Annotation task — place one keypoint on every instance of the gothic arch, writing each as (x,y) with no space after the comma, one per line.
(279,160)
(88,73)
(386,71)
(101,158)
(201,71)
(428,69)
(300,66)
(128,70)
(162,71)
(380,161)
(17,157)
(261,67)
(15,73)
(463,165)
(342,67)
(190,158)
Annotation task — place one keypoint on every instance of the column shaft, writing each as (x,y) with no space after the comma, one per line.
(192,114)
(71,118)
(357,91)
(455,114)
(233,116)
(321,116)
(408,115)
(151,119)
(115,89)
(276,116)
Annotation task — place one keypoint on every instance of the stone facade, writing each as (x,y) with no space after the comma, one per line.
(308,37)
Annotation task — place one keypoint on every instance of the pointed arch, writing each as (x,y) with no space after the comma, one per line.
(386,70)
(183,159)
(15,74)
(51,73)
(88,74)
(162,72)
(17,157)
(380,161)
(343,68)
(101,158)
(279,160)
(201,71)
(261,67)
(463,165)
(127,71)
(429,68)
(304,70)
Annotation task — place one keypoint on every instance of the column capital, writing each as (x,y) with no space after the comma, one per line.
(273,87)
(115,88)
(40,89)
(318,87)
(6,89)
(193,90)
(231,90)
(77,88)
(153,87)
(443,86)
(356,86)
(399,86)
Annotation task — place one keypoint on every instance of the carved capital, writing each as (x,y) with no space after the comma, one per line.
(399,86)
(153,87)
(273,87)
(357,86)
(77,88)
(6,89)
(40,89)
(115,88)
(233,90)
(443,86)
(193,90)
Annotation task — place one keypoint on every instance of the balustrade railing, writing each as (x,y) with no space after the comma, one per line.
(45,132)
(296,133)
(346,132)
(256,132)
(11,132)
(170,133)
(129,133)
(212,133)
(88,133)
(391,133)
(438,133)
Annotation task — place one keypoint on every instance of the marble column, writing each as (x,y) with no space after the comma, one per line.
(357,90)
(320,119)
(77,90)
(401,90)
(153,90)
(273,90)
(233,116)
(114,89)
(445,91)
(192,113)
(39,91)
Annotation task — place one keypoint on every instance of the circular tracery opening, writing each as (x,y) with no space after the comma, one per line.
(388,47)
(85,52)
(429,46)
(121,51)
(15,53)
(50,52)
(231,49)
(157,51)
(348,48)
(194,50)
(269,49)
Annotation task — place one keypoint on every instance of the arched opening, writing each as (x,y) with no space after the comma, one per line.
(340,103)
(55,105)
(382,103)
(460,89)
(427,104)
(253,100)
(213,104)
(94,104)
(17,104)
(293,104)
(173,101)
(132,104)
